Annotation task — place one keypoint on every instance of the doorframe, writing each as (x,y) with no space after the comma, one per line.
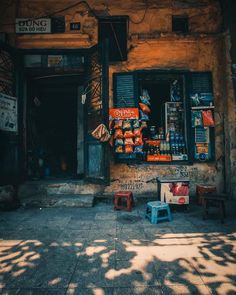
(21,90)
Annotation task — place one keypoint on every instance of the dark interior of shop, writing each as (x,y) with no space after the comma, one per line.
(51,129)
(159,93)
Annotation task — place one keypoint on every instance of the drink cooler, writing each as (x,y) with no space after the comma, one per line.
(165,195)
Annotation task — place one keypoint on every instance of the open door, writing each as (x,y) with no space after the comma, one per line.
(8,116)
(96,112)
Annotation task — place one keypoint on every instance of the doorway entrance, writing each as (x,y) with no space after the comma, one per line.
(52,116)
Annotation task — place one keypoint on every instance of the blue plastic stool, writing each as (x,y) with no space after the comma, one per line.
(154,208)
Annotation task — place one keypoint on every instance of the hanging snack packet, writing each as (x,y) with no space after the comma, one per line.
(119,141)
(145,100)
(138,141)
(137,132)
(145,94)
(111,141)
(128,149)
(118,133)
(144,108)
(118,124)
(127,125)
(196,119)
(143,116)
(138,149)
(136,124)
(129,141)
(207,118)
(119,149)
(128,133)
(143,125)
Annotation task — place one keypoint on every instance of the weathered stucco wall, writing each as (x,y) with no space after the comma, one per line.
(152,45)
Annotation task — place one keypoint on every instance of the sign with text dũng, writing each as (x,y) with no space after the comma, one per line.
(123,113)
(33,26)
(8,113)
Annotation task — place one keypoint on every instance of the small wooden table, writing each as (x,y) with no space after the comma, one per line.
(211,200)
(202,189)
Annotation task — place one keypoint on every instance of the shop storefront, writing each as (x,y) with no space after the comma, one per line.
(157,87)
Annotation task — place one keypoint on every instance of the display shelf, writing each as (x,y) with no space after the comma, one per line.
(202,107)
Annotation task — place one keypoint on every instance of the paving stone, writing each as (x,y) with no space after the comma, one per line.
(105,216)
(134,273)
(222,288)
(145,290)
(186,289)
(131,233)
(92,273)
(126,250)
(90,291)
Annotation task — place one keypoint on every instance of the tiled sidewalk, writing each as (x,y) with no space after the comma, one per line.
(99,251)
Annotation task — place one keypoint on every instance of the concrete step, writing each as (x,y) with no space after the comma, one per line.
(59,201)
(58,187)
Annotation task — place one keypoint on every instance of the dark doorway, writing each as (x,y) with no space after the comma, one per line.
(52,128)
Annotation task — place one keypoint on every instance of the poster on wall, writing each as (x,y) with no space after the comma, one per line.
(8,113)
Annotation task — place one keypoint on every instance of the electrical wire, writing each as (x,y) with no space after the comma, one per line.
(143,17)
(59,11)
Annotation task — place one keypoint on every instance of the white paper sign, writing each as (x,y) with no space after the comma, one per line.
(33,26)
(8,113)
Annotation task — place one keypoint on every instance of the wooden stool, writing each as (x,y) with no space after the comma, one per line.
(212,200)
(202,189)
(128,196)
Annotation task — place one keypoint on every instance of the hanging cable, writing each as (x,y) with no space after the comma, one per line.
(58,11)
(143,17)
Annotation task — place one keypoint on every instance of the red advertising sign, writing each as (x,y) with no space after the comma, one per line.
(125,113)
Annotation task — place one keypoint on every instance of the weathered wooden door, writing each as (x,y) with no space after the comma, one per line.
(96,112)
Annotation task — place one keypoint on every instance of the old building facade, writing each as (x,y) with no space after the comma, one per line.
(170,56)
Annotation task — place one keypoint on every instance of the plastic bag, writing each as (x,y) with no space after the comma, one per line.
(143,116)
(136,124)
(128,133)
(137,132)
(118,133)
(119,149)
(129,141)
(118,124)
(145,100)
(128,149)
(138,149)
(101,133)
(127,124)
(138,141)
(119,141)
(143,125)
(207,118)
(144,108)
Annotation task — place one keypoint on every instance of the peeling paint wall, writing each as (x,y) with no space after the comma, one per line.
(152,45)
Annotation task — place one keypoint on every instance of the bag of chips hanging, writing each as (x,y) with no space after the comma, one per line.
(136,124)
(119,149)
(138,141)
(143,116)
(207,118)
(138,149)
(144,108)
(128,149)
(128,133)
(119,141)
(118,133)
(143,125)
(145,100)
(101,133)
(129,141)
(127,124)
(137,132)
(118,124)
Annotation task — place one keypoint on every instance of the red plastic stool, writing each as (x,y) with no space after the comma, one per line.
(124,195)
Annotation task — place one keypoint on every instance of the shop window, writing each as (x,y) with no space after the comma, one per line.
(202,114)
(115,29)
(180,24)
(153,128)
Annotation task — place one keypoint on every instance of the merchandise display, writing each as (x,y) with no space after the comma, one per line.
(136,137)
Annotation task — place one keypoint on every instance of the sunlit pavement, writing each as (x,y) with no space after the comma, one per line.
(100,251)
